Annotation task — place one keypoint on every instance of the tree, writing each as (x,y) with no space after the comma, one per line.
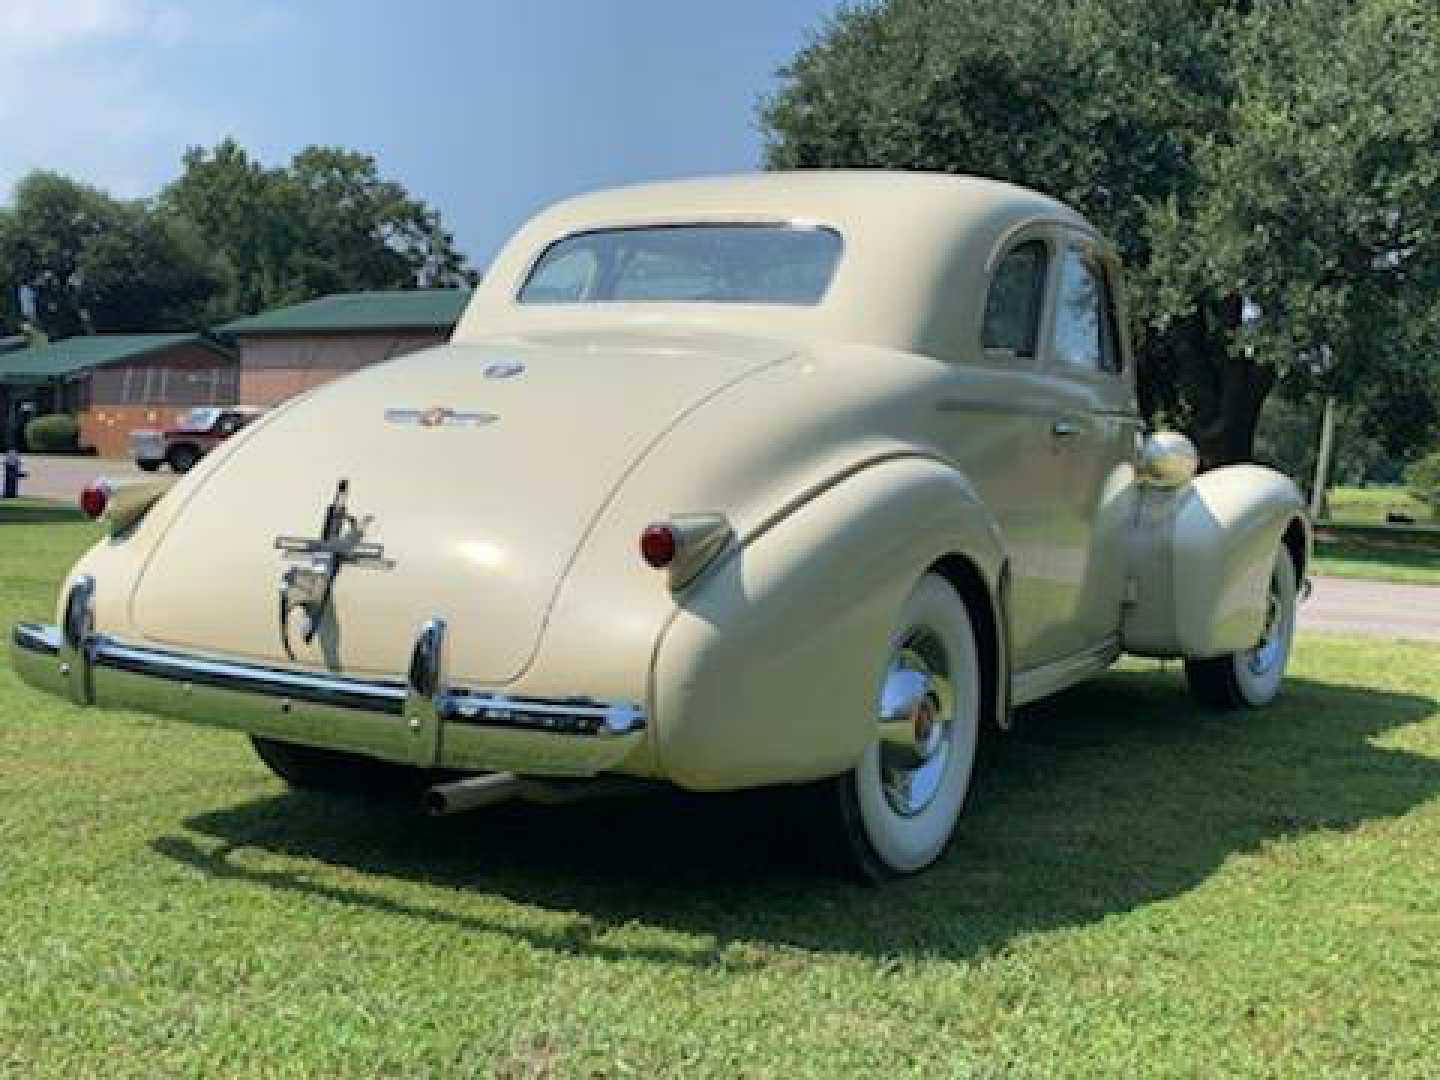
(43,240)
(227,196)
(327,222)
(1423,477)
(151,271)
(1269,171)
(96,264)
(370,232)
(11,316)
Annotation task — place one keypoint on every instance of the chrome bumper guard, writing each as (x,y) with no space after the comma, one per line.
(418,721)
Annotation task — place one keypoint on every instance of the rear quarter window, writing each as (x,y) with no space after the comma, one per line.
(1012,307)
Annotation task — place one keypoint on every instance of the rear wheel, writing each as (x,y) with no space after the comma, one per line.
(895,812)
(1252,677)
(312,768)
(182,458)
(148,466)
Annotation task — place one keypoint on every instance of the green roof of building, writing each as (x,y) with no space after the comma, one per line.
(399,309)
(44,363)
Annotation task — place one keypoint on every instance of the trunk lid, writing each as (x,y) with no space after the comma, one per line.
(479,511)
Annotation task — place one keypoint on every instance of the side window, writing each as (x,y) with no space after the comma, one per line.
(566,280)
(1012,310)
(1084,321)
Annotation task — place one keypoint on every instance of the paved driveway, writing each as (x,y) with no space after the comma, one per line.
(1373,607)
(57,477)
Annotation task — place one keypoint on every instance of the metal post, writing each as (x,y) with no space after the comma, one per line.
(1322,460)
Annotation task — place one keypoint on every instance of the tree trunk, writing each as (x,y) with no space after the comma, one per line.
(1224,386)
(1228,436)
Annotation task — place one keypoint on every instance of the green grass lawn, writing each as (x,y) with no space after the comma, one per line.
(1369,505)
(1143,889)
(1360,554)
(1379,562)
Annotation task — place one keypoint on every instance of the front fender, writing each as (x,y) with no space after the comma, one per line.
(1200,560)
(768,670)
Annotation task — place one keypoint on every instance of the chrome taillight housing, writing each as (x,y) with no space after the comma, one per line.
(95,497)
(684,544)
(123,506)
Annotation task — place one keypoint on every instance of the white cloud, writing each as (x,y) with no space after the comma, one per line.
(37,26)
(83,85)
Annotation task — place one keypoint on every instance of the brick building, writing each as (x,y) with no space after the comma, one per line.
(289,350)
(114,383)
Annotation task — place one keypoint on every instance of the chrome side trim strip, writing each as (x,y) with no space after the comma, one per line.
(1046,679)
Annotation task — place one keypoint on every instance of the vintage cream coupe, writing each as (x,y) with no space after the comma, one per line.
(785,479)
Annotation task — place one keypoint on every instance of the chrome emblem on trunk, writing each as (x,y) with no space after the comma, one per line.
(503,369)
(440,416)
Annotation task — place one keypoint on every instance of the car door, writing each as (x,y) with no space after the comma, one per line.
(1092,436)
(999,410)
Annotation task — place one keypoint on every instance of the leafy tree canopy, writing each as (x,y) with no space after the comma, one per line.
(94,263)
(1269,170)
(227,237)
(325,223)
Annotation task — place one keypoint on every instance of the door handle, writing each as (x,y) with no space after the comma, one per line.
(1065,428)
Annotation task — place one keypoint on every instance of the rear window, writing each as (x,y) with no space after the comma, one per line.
(722,264)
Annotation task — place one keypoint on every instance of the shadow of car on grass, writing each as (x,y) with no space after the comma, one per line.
(1111,796)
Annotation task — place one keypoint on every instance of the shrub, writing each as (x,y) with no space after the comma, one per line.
(1423,478)
(55,433)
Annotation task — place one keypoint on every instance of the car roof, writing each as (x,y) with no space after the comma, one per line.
(915,260)
(837,196)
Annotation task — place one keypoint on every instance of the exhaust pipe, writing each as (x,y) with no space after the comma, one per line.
(471,793)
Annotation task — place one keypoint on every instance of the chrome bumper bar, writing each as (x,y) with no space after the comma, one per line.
(418,721)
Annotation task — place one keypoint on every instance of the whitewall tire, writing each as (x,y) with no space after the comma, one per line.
(1252,677)
(898,807)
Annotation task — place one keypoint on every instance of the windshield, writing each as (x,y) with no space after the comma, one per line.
(734,264)
(197,419)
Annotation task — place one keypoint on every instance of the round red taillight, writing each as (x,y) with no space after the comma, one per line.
(657,545)
(94,497)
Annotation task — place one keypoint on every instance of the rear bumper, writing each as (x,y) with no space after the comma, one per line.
(415,721)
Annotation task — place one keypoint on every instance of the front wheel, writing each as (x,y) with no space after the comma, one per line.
(1252,677)
(895,812)
(148,465)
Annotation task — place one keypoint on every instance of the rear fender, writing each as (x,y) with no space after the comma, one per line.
(1200,559)
(768,671)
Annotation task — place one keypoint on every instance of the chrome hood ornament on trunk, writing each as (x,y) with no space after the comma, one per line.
(308,586)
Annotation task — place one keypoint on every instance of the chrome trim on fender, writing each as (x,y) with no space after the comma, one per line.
(460,728)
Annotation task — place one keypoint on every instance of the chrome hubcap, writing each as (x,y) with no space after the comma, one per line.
(1267,651)
(917,717)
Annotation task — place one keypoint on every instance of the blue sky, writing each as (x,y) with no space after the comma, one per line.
(488,109)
